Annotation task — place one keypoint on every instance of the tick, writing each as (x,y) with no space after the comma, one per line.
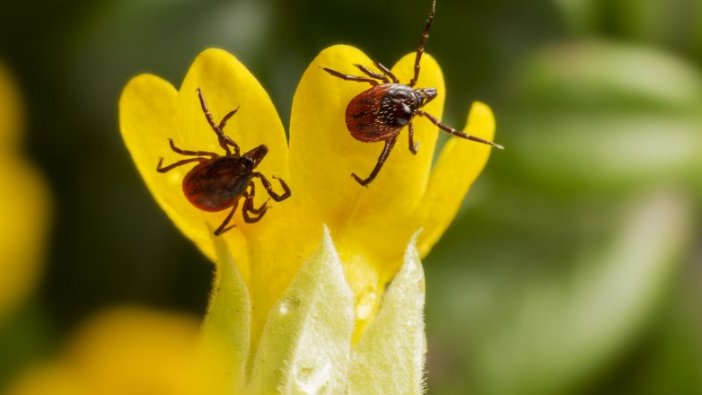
(218,182)
(383,110)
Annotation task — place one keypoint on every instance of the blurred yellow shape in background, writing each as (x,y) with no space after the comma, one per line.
(24,207)
(130,351)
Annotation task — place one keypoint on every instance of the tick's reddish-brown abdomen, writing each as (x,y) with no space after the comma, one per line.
(215,185)
(365,117)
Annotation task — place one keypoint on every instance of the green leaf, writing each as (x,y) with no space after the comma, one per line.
(579,16)
(615,152)
(587,75)
(606,116)
(612,299)
(534,327)
(305,345)
(228,322)
(390,357)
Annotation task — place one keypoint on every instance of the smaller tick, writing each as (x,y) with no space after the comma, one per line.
(218,182)
(380,112)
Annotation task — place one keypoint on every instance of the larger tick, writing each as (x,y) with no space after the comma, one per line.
(380,112)
(218,182)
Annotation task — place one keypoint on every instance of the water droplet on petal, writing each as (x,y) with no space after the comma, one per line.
(312,377)
(288,304)
(365,304)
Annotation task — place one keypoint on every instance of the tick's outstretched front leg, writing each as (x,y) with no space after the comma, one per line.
(223,138)
(422,43)
(387,72)
(189,152)
(349,77)
(161,169)
(379,165)
(373,74)
(224,141)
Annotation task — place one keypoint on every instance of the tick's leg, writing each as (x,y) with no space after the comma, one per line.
(387,72)
(227,139)
(269,188)
(188,152)
(224,120)
(205,110)
(224,140)
(179,163)
(252,192)
(248,209)
(455,132)
(349,77)
(422,42)
(250,219)
(223,227)
(412,145)
(372,74)
(381,160)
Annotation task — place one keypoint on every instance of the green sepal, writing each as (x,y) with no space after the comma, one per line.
(227,325)
(390,357)
(305,346)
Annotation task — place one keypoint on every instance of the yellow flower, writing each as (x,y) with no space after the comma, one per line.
(24,206)
(303,311)
(372,226)
(129,351)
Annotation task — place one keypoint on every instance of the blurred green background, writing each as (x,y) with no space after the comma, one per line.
(575,266)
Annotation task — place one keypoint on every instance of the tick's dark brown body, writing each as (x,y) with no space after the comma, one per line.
(219,182)
(380,112)
(216,185)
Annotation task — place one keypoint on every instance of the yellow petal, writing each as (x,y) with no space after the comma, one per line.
(324,154)
(458,166)
(403,179)
(382,224)
(390,357)
(226,85)
(148,114)
(152,111)
(371,225)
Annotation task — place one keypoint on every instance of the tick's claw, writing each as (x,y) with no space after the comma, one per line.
(220,231)
(359,180)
